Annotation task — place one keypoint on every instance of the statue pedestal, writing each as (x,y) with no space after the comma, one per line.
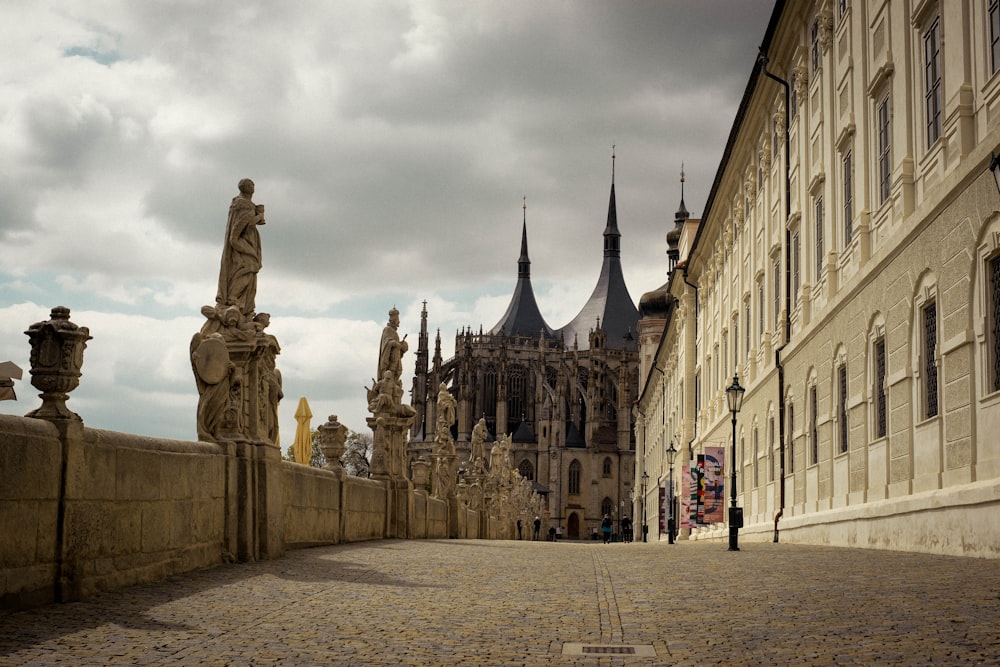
(390,434)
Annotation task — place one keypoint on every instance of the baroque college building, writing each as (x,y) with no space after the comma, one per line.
(846,268)
(564,395)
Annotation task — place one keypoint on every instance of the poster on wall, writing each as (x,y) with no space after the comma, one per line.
(685,518)
(694,483)
(663,510)
(713,485)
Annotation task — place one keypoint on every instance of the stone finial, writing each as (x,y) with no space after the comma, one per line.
(332,441)
(56,359)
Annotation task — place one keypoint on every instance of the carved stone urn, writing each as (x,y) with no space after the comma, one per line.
(332,441)
(56,359)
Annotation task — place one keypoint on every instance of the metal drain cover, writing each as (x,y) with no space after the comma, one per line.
(641,650)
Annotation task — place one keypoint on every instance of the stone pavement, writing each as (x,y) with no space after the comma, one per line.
(441,602)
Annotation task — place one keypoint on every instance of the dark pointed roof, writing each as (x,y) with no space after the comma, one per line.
(610,302)
(523,317)
(523,433)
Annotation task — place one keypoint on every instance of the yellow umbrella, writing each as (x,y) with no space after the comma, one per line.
(303,438)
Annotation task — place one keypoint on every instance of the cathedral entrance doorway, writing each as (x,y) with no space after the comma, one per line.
(573,526)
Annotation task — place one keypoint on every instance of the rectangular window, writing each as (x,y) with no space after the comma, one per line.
(883,150)
(842,6)
(814,48)
(842,406)
(756,460)
(793,98)
(770,451)
(995,318)
(725,348)
(749,326)
(777,290)
(791,437)
(796,251)
(879,388)
(775,137)
(736,341)
(849,198)
(813,424)
(930,365)
(932,80)
(994,11)
(697,395)
(819,238)
(760,308)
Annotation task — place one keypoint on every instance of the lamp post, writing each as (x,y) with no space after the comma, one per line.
(995,168)
(631,498)
(734,394)
(645,528)
(671,521)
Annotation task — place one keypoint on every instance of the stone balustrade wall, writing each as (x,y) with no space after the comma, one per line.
(84,510)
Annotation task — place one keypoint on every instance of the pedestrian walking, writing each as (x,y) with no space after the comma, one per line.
(538,527)
(626,529)
(518,529)
(606,528)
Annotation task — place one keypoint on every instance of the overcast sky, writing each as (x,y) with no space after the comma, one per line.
(392,143)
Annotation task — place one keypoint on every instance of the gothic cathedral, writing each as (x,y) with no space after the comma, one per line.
(565,395)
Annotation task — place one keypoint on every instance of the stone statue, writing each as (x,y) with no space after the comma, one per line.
(385,398)
(446,410)
(212,374)
(233,358)
(477,453)
(241,257)
(391,349)
(380,399)
(270,380)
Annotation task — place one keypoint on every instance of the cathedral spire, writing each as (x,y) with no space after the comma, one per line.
(674,235)
(610,300)
(522,317)
(682,213)
(523,263)
(612,237)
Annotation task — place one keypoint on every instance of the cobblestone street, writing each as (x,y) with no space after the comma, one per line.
(536,603)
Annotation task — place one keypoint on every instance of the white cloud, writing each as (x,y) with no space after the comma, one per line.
(392,143)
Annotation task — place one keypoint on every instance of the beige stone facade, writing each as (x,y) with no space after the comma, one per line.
(861,312)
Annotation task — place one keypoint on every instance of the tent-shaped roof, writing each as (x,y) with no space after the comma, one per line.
(523,317)
(610,303)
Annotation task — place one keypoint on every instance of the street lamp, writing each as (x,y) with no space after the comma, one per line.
(671,521)
(645,528)
(995,168)
(734,394)
(631,499)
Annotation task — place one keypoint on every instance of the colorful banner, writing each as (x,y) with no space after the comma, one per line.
(713,485)
(685,518)
(694,482)
(663,509)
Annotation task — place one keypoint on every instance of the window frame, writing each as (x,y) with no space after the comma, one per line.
(819,245)
(993,20)
(931,404)
(932,71)
(880,399)
(796,265)
(574,475)
(848,194)
(814,422)
(843,435)
(883,134)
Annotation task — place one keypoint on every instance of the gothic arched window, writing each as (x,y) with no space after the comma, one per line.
(575,470)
